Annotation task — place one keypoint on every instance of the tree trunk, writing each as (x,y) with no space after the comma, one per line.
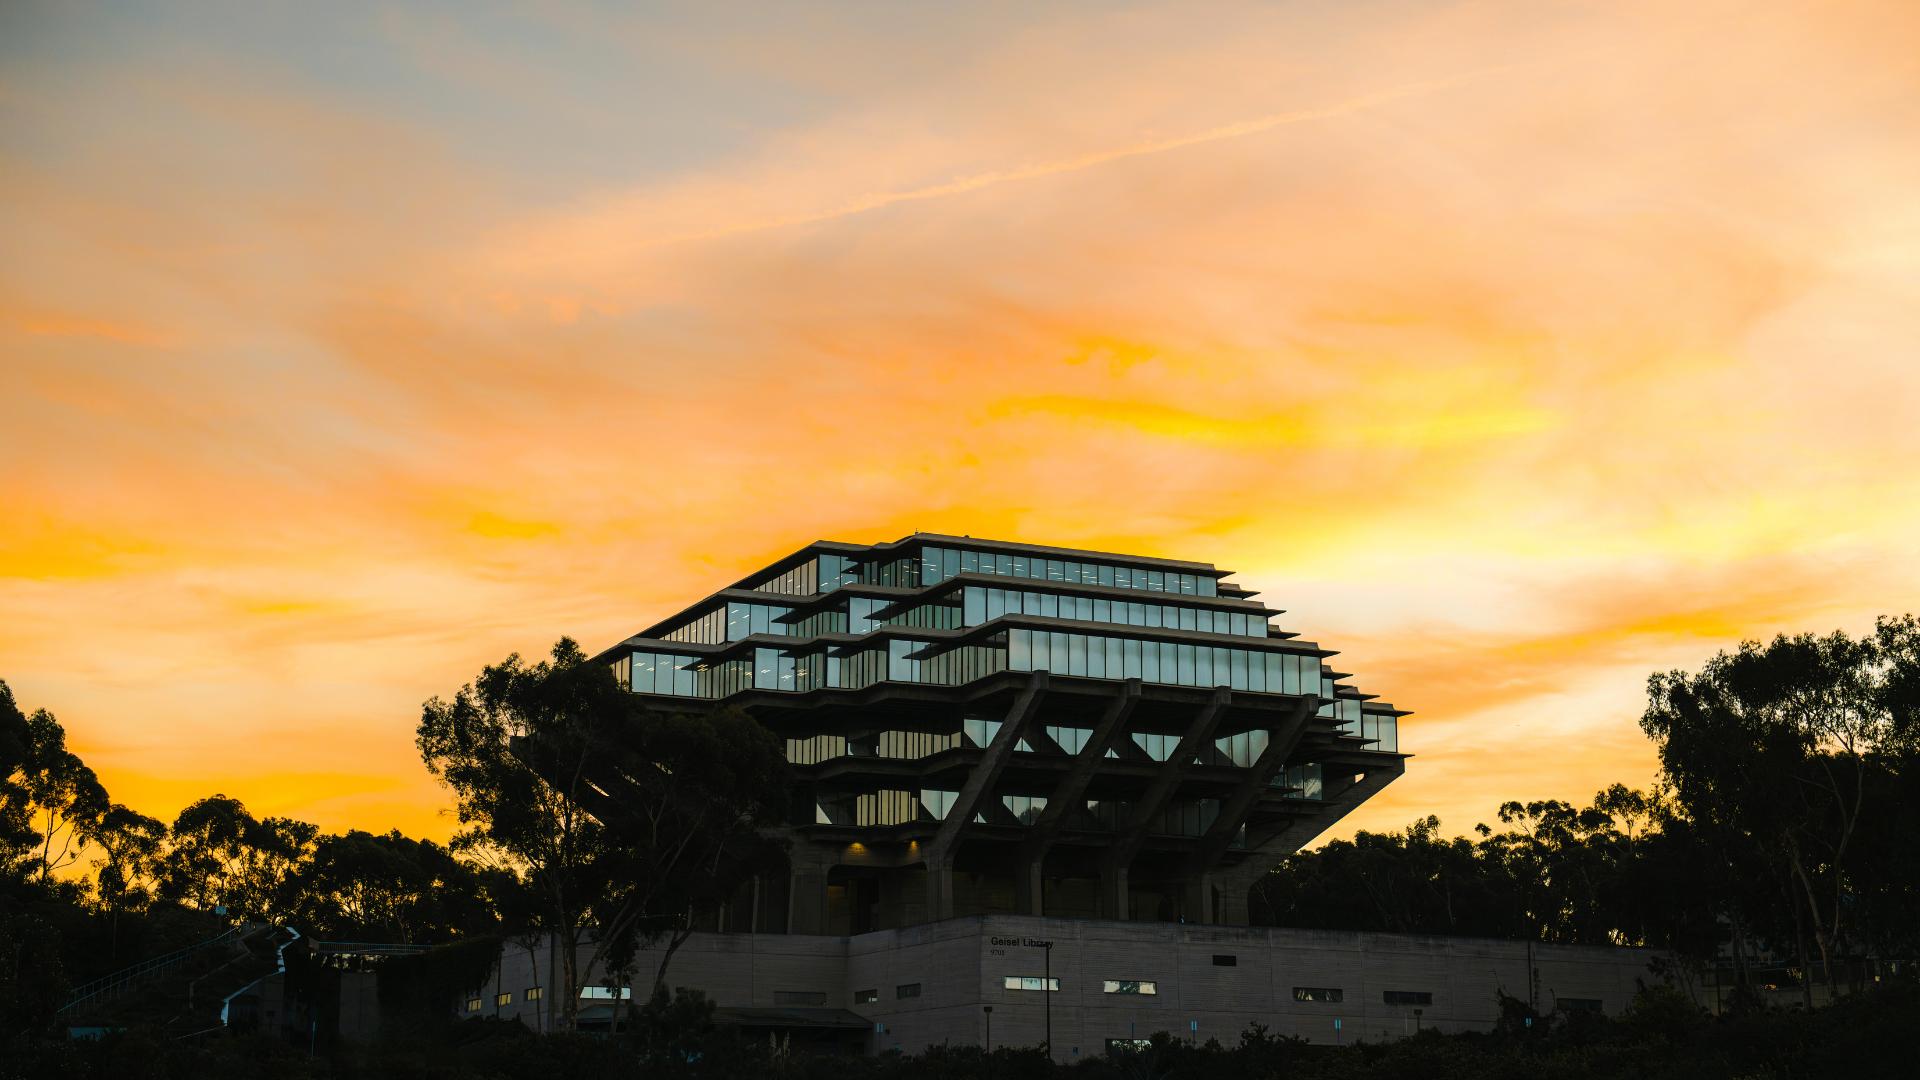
(1819,929)
(1741,979)
(569,979)
(675,939)
(1800,945)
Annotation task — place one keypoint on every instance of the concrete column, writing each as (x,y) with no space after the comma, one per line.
(939,890)
(1234,905)
(1029,884)
(1196,901)
(807,902)
(1113,891)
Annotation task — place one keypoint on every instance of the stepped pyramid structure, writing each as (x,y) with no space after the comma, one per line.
(981,726)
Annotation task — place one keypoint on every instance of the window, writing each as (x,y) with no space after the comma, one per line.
(799,997)
(1225,960)
(601,993)
(1407,997)
(1128,1046)
(1325,994)
(865,997)
(533,993)
(503,999)
(1025,808)
(1573,1005)
(1031,982)
(1130,986)
(906,990)
(473,1004)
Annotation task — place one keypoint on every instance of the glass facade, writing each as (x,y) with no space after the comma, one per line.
(1245,748)
(980,603)
(662,673)
(937,564)
(823,573)
(1070,740)
(1025,808)
(817,749)
(937,803)
(1176,663)
(1181,818)
(1305,781)
(731,622)
(816,626)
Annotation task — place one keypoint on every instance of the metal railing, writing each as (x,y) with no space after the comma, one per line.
(107,986)
(279,968)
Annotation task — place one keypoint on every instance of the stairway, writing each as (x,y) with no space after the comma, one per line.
(184,993)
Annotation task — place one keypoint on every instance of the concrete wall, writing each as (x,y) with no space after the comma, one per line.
(960,964)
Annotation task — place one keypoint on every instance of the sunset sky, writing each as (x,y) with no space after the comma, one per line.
(1516,349)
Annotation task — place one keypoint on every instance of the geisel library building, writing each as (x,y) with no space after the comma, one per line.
(1035,786)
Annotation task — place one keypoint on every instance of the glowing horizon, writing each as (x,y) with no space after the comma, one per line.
(1516,350)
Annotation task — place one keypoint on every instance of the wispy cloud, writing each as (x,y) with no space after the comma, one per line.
(1515,349)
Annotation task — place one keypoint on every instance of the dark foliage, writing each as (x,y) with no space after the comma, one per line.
(1661,1037)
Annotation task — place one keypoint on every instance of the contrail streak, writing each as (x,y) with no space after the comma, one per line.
(519,256)
(978,181)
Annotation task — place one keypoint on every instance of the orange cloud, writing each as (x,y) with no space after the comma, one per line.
(324,386)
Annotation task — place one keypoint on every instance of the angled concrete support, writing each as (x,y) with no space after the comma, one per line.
(1067,795)
(1166,781)
(980,784)
(1288,839)
(1282,740)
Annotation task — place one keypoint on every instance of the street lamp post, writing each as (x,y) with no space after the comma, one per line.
(1047,983)
(988,1009)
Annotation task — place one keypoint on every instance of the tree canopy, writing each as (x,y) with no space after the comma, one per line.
(679,801)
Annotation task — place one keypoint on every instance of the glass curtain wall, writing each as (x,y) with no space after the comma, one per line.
(980,604)
(937,564)
(1174,663)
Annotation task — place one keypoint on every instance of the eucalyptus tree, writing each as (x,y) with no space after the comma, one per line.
(220,855)
(51,803)
(1778,749)
(531,753)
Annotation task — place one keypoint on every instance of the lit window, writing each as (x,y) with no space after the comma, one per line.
(1031,982)
(1327,994)
(473,1004)
(1128,1046)
(533,993)
(503,999)
(1131,986)
(865,997)
(601,993)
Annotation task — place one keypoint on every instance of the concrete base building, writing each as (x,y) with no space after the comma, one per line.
(910,988)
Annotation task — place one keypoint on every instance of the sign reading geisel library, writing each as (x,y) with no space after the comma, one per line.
(1031,943)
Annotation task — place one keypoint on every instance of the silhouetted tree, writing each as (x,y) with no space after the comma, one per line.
(221,855)
(526,749)
(50,801)
(1774,750)
(362,887)
(129,845)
